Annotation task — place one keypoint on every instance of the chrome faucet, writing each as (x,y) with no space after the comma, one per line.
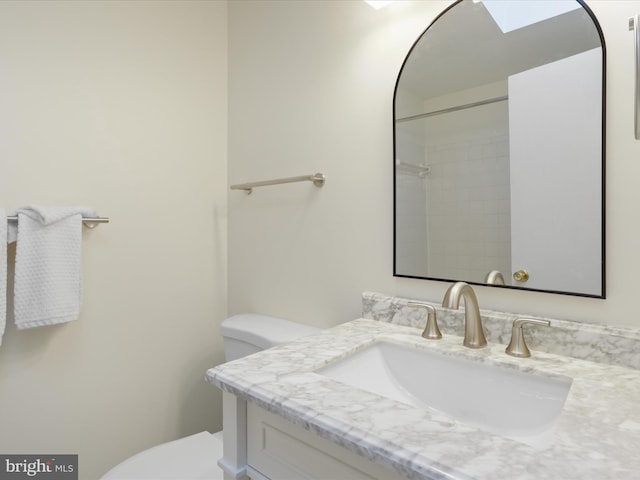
(473,333)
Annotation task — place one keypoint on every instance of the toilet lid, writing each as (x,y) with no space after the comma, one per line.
(193,457)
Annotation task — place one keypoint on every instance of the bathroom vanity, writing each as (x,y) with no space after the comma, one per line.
(288,414)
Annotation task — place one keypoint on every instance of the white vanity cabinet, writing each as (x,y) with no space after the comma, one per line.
(272,448)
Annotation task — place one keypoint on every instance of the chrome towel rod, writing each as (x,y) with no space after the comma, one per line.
(318,180)
(90,222)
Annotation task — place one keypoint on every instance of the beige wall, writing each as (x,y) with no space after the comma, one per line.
(311,86)
(121,106)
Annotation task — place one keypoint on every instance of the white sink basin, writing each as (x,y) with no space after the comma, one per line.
(508,402)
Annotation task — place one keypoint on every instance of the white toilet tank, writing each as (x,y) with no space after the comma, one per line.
(248,333)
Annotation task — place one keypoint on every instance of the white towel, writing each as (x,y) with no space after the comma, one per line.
(48,274)
(3,272)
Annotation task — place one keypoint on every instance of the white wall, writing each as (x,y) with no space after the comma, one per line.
(120,106)
(311,90)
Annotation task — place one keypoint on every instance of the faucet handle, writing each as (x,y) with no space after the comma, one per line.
(517,346)
(431,330)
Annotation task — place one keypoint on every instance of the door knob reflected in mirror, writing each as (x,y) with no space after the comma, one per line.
(521,276)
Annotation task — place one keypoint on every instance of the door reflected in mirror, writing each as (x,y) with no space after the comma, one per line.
(499,148)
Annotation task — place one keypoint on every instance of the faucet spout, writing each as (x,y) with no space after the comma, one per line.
(494,277)
(473,333)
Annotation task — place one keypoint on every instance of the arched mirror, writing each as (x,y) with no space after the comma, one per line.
(499,148)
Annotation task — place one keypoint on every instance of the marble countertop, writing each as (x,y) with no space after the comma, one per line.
(596,437)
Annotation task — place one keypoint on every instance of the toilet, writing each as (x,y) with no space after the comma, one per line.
(196,456)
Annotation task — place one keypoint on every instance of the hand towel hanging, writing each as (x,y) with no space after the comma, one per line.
(48,274)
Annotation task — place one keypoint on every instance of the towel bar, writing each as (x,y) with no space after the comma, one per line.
(90,222)
(318,180)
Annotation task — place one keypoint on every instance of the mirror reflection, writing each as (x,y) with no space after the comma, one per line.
(498,129)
